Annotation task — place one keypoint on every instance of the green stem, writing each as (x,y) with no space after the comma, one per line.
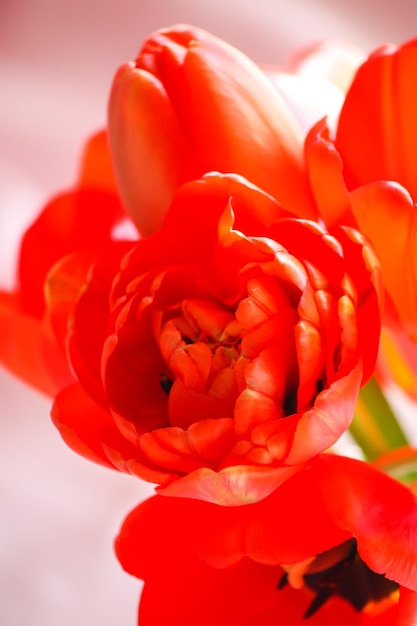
(375,427)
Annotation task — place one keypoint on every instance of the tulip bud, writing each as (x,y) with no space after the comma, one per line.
(191,104)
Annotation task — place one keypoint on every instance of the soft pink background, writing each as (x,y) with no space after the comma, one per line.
(59,514)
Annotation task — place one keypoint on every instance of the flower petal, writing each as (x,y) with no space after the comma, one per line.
(325,166)
(231,486)
(380,512)
(377,128)
(387,216)
(75,221)
(86,426)
(96,170)
(28,350)
(151,156)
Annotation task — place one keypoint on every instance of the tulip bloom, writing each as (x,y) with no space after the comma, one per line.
(191,104)
(334,544)
(235,335)
(375,142)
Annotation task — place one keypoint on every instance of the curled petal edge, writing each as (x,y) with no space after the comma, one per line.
(232,486)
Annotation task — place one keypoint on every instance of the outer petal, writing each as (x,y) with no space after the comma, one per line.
(377,128)
(223,535)
(325,168)
(320,427)
(86,329)
(88,429)
(245,594)
(232,486)
(96,170)
(28,349)
(387,216)
(152,157)
(75,221)
(380,512)
(257,136)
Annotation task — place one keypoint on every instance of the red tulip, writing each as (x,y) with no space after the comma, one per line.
(374,142)
(233,336)
(190,104)
(334,544)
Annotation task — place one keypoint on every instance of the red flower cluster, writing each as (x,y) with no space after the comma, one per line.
(205,331)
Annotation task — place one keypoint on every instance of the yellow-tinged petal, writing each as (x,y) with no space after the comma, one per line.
(398,360)
(233,486)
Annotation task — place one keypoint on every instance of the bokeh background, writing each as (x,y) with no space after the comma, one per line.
(58,513)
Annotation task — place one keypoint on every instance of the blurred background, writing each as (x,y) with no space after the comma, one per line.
(59,514)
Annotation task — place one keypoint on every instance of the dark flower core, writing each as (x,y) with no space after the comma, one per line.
(341,572)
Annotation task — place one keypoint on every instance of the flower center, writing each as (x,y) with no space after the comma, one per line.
(341,572)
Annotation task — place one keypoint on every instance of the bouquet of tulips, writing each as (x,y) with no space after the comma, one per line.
(229,286)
